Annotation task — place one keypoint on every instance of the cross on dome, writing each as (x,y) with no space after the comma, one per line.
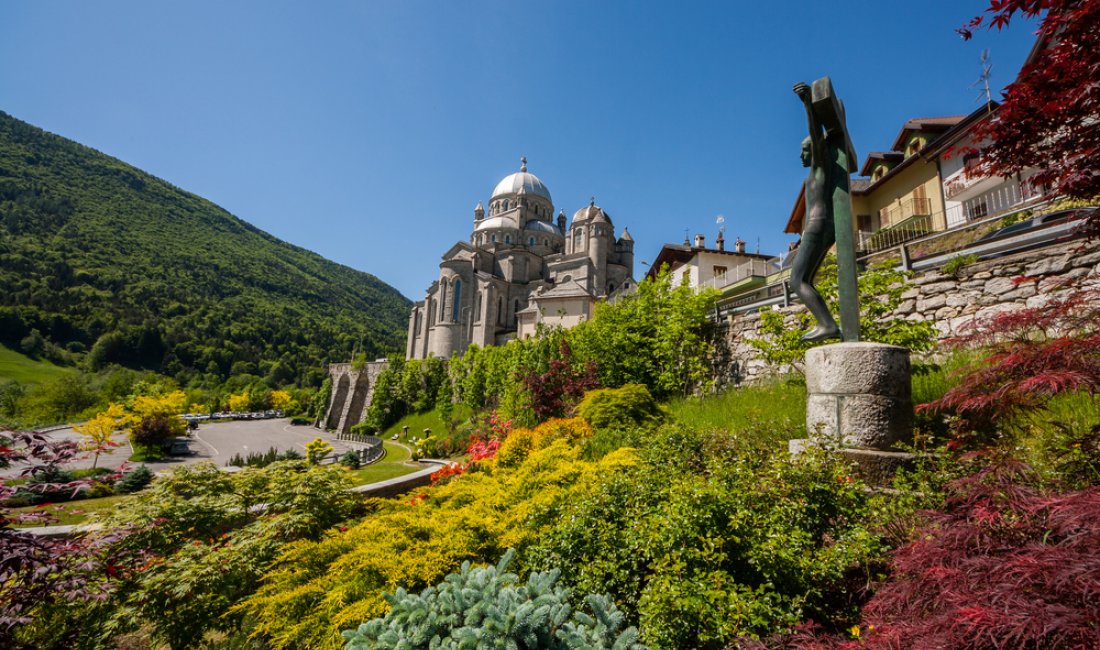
(523,164)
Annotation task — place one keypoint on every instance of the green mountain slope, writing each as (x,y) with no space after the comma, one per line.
(104,263)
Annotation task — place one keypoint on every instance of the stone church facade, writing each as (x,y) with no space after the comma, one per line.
(521,267)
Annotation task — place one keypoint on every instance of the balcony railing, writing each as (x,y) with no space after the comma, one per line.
(750,269)
(911,228)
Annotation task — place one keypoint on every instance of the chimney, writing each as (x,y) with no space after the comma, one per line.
(739,245)
(700,241)
(721,241)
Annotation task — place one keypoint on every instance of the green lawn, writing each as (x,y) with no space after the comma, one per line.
(768,413)
(396,463)
(75,512)
(21,368)
(433,420)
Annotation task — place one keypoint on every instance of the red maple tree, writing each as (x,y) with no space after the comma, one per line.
(1048,119)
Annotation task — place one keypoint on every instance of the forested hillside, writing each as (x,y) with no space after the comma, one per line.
(102,263)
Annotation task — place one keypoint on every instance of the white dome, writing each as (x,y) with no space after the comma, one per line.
(522,180)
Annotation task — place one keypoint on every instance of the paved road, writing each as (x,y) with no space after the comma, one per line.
(215,442)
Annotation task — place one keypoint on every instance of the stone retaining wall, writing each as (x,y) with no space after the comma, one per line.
(1025,279)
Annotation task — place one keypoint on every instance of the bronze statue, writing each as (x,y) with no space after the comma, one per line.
(829,154)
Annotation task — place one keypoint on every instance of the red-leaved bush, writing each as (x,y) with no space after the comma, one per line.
(555,392)
(35,569)
(1034,354)
(1003,565)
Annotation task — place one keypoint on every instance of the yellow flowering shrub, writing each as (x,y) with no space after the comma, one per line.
(521,442)
(318,588)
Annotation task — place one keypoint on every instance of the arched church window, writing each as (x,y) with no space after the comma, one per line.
(501,314)
(611,288)
(505,204)
(530,241)
(515,314)
(456,298)
(494,238)
(507,239)
(545,242)
(477,306)
(442,300)
(578,240)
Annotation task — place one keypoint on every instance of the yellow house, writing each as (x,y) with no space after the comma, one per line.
(902,194)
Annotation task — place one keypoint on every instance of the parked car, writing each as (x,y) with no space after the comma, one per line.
(179,447)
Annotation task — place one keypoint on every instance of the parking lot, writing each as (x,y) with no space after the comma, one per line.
(214,442)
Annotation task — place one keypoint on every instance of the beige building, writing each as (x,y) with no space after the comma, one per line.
(521,267)
(717,268)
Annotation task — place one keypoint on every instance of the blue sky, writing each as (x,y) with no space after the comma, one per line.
(367,131)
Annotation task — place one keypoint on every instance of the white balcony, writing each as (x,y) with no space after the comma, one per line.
(960,187)
(751,269)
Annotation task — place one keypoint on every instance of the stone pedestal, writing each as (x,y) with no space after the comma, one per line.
(859,396)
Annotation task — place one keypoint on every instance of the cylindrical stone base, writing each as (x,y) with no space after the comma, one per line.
(859,394)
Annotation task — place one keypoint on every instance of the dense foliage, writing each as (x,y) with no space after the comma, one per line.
(104,263)
(1003,563)
(484,607)
(199,540)
(319,588)
(696,537)
(35,569)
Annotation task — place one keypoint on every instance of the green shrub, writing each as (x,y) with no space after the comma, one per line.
(99,489)
(706,540)
(255,459)
(485,608)
(134,480)
(350,459)
(629,406)
(958,263)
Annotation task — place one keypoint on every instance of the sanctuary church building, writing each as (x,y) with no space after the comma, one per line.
(521,267)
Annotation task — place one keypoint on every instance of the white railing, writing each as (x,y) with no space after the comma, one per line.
(750,269)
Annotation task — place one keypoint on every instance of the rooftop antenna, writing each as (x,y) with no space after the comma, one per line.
(687,240)
(757,245)
(983,80)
